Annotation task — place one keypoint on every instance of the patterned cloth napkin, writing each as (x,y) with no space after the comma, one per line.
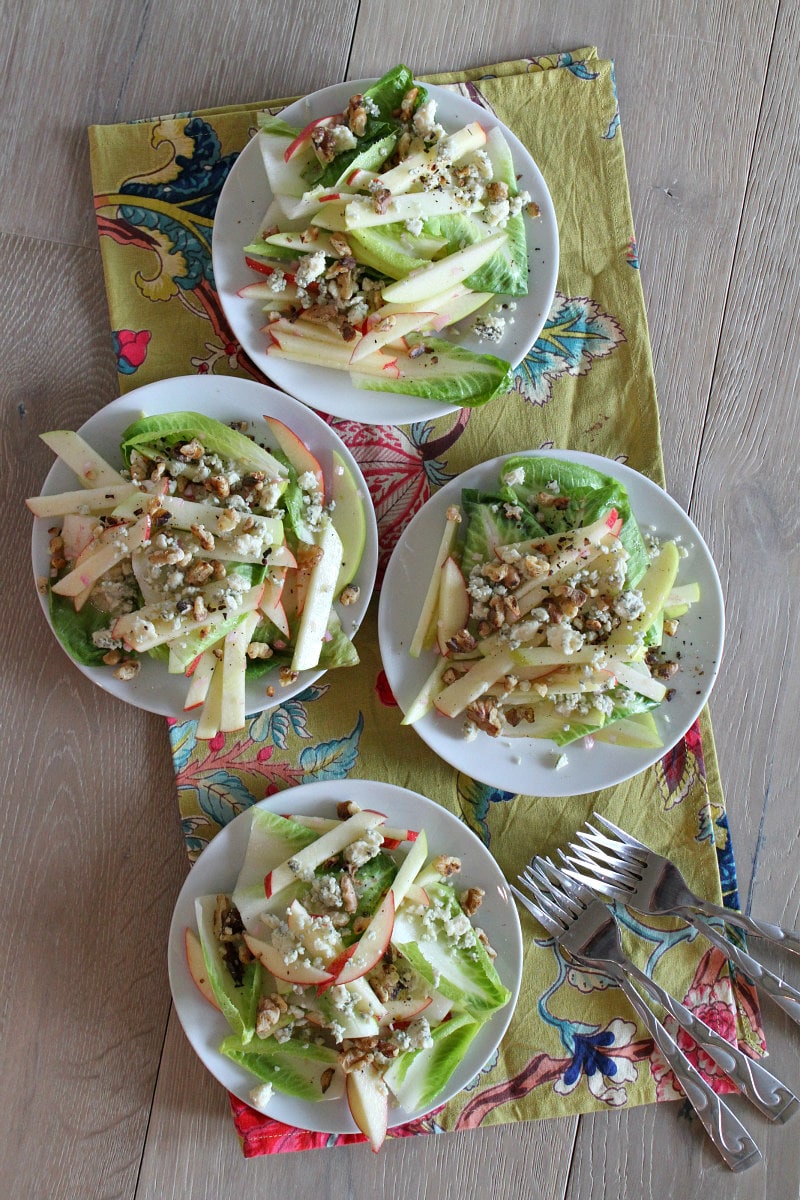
(573,1045)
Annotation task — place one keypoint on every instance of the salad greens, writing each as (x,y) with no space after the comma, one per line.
(307,903)
(208,552)
(550,612)
(385,230)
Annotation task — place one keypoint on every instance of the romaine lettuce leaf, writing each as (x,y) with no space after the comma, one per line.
(445,372)
(417,1077)
(276,125)
(238,1002)
(486,526)
(459,968)
(591,495)
(74,629)
(507,270)
(271,841)
(161,431)
(292,1067)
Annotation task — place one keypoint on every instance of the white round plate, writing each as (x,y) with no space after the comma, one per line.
(527,765)
(242,204)
(227,399)
(216,870)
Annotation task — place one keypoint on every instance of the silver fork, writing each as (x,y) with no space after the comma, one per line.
(588,932)
(620,868)
(772,1097)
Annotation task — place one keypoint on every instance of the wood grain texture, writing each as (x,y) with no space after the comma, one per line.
(93,1101)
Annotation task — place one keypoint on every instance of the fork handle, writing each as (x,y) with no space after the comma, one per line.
(725,1129)
(772,1097)
(788,939)
(784,995)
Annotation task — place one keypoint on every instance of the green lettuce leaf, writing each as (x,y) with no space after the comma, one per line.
(506,271)
(162,431)
(591,493)
(487,526)
(238,1002)
(445,372)
(74,629)
(417,1077)
(462,971)
(276,125)
(292,1067)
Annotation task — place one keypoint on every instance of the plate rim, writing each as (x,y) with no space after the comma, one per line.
(251,401)
(515,777)
(358,406)
(312,796)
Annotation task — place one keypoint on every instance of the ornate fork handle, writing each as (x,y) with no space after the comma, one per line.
(786,938)
(725,1130)
(784,995)
(767,1093)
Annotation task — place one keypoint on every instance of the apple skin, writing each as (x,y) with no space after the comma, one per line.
(272,959)
(296,451)
(304,136)
(197,967)
(371,947)
(368,1100)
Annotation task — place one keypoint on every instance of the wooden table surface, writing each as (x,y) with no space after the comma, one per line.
(100,1093)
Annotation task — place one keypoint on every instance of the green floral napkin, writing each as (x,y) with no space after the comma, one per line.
(574,1045)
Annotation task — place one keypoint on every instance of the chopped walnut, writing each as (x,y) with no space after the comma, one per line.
(227,520)
(357,115)
(199,610)
(548,500)
(340,246)
(346,808)
(349,594)
(484,941)
(127,670)
(670,626)
(270,1010)
(381,199)
(496,190)
(664,670)
(112,657)
(486,715)
(192,450)
(471,900)
(219,485)
(407,104)
(325,143)
(453,513)
(286,676)
(349,897)
(199,572)
(259,650)
(204,537)
(462,642)
(166,558)
(446,865)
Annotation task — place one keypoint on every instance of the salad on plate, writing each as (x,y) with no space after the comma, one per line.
(346,962)
(384,231)
(204,549)
(551,613)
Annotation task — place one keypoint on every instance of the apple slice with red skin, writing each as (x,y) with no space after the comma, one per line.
(304,136)
(403,1011)
(422,637)
(368,1100)
(197,967)
(453,606)
(295,972)
(296,451)
(371,946)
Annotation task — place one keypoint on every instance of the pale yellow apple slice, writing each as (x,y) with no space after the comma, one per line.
(454,147)
(425,632)
(197,967)
(368,1100)
(328,846)
(452,606)
(390,329)
(147,627)
(319,600)
(444,272)
(423,701)
(83,577)
(639,680)
(211,712)
(655,586)
(349,520)
(471,686)
(296,450)
(98,500)
(234,666)
(90,467)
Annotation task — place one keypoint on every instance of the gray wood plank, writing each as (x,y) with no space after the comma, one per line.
(90,844)
(65,71)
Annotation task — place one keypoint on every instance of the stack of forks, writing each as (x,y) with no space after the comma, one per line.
(571,902)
